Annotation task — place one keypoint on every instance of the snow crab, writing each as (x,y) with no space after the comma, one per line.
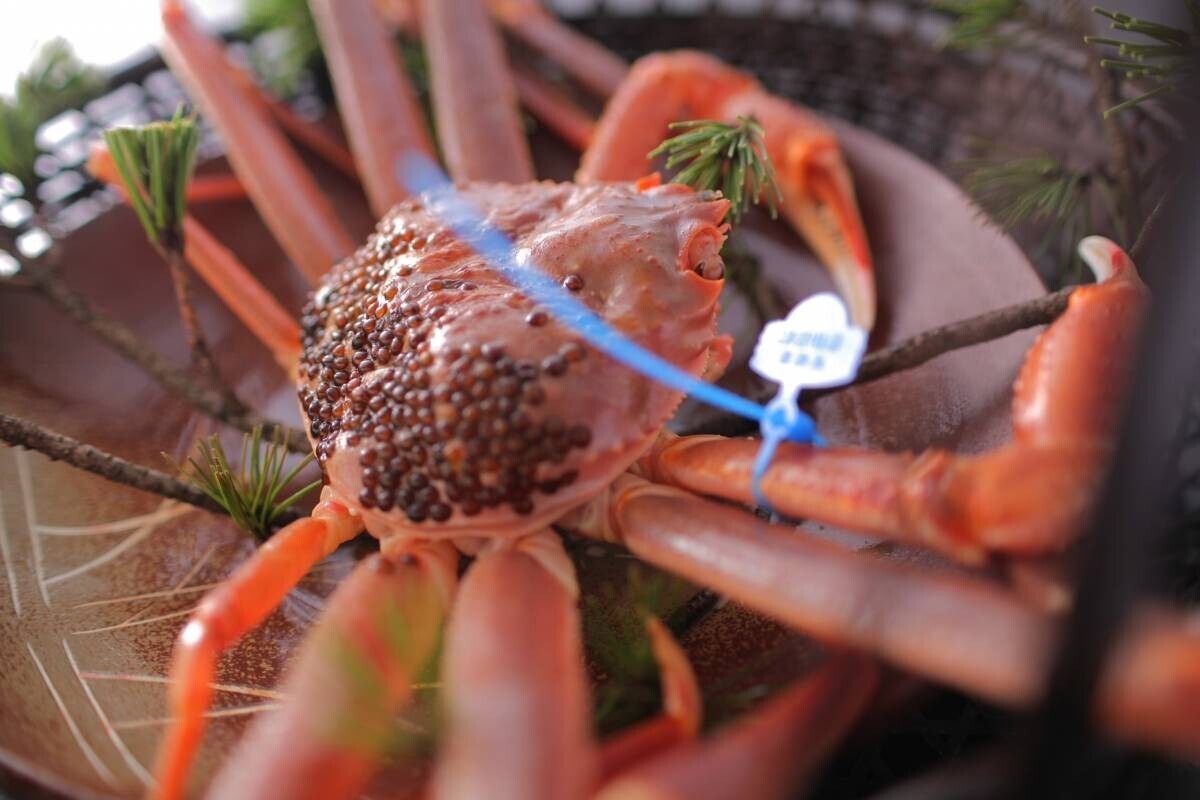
(452,416)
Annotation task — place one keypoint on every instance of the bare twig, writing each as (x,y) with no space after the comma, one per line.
(208,401)
(1148,227)
(926,346)
(155,164)
(23,433)
(172,253)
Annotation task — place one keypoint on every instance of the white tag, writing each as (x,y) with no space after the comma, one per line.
(815,346)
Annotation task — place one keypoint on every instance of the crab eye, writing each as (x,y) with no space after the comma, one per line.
(711,268)
(702,254)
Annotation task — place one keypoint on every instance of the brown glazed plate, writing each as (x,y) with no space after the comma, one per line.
(97,578)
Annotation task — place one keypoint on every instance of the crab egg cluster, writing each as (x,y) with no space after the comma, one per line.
(458,430)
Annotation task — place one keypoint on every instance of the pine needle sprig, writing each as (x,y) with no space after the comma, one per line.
(155,163)
(1007,24)
(982,23)
(1166,59)
(1018,189)
(55,81)
(614,631)
(291,23)
(251,493)
(731,157)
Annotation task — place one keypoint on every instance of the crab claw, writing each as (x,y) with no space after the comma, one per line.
(812,177)
(818,195)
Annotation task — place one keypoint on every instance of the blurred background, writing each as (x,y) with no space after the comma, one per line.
(117,33)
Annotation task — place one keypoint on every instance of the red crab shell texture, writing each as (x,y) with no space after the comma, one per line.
(443,402)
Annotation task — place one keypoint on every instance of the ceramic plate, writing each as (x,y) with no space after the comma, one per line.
(98,579)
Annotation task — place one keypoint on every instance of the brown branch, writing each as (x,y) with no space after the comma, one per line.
(201,353)
(208,401)
(23,433)
(919,349)
(926,346)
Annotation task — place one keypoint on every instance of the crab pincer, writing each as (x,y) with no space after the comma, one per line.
(818,192)
(1029,497)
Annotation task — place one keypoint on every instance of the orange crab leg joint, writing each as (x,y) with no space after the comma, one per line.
(239,604)
(285,194)
(1026,498)
(681,715)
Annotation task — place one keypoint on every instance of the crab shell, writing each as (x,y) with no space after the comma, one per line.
(442,402)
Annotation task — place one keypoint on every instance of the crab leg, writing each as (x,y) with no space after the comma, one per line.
(318,140)
(517,703)
(474,99)
(213,188)
(1020,500)
(589,62)
(285,194)
(1028,497)
(767,754)
(552,108)
(350,680)
(574,125)
(681,715)
(950,628)
(374,95)
(229,611)
(818,194)
(248,299)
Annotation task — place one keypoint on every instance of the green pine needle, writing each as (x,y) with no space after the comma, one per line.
(1166,59)
(982,23)
(300,49)
(54,82)
(250,494)
(731,157)
(1014,190)
(614,631)
(155,163)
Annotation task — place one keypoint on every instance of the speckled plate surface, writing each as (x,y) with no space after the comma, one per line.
(97,579)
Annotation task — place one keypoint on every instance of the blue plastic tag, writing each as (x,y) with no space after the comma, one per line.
(815,346)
